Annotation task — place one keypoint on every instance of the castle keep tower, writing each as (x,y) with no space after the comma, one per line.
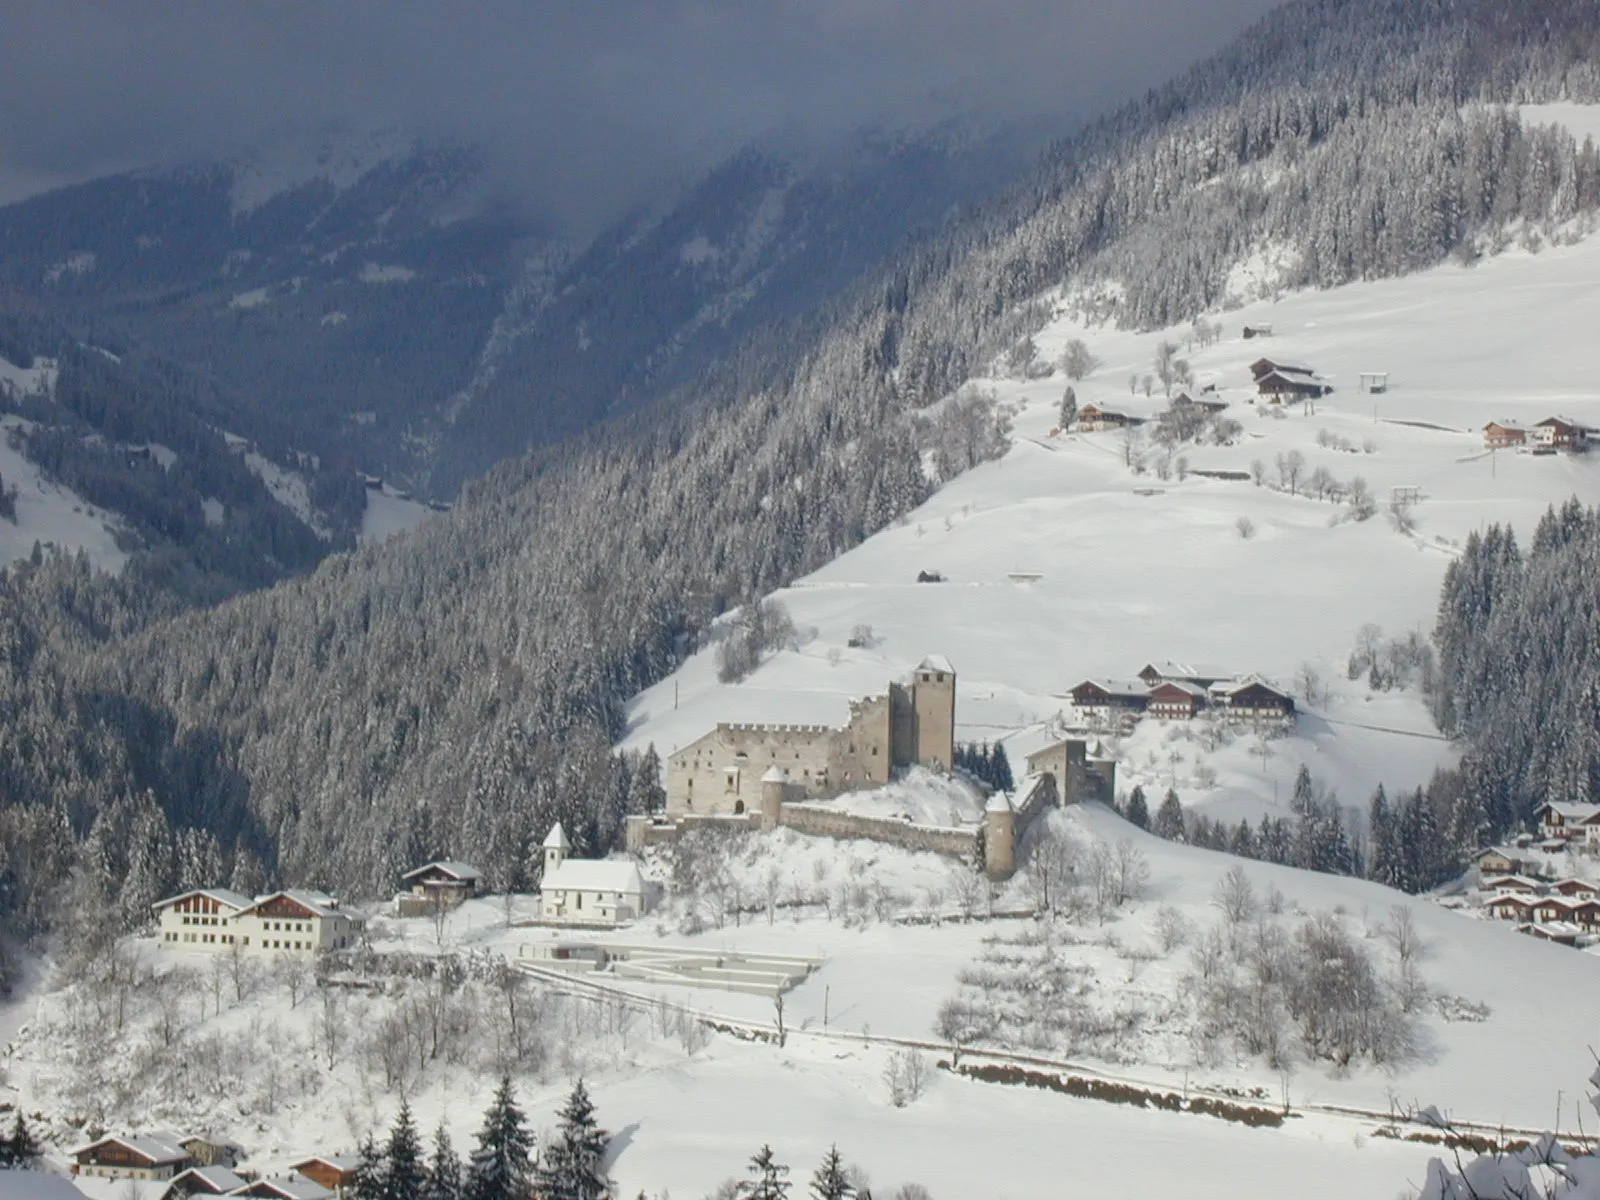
(933,699)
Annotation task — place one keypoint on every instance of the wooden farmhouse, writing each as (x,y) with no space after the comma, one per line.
(588,891)
(1572,823)
(1176,701)
(1108,698)
(1165,671)
(1252,699)
(205,1181)
(152,1156)
(439,885)
(1184,400)
(1255,331)
(1092,418)
(335,1172)
(1509,860)
(1503,435)
(1560,433)
(287,1187)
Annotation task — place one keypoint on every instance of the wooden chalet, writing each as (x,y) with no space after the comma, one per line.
(1560,932)
(1503,435)
(286,1187)
(335,1172)
(1280,385)
(1255,331)
(1254,699)
(1166,671)
(1092,418)
(1108,696)
(1560,433)
(1176,701)
(1569,822)
(1575,889)
(154,1156)
(1508,885)
(1509,860)
(1184,400)
(438,885)
(1512,906)
(204,1181)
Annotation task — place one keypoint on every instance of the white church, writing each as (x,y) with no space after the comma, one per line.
(588,891)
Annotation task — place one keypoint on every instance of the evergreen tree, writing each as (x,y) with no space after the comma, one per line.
(1069,409)
(1000,770)
(1243,842)
(368,1183)
(1169,818)
(829,1181)
(1384,860)
(570,1167)
(1300,800)
(768,1178)
(404,1175)
(1273,843)
(1137,811)
(19,1148)
(500,1163)
(444,1169)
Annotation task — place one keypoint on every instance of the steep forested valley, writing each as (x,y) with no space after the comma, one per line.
(464,686)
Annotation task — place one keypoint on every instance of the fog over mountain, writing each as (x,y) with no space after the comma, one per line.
(584,108)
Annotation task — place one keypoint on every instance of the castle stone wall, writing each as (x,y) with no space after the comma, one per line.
(960,842)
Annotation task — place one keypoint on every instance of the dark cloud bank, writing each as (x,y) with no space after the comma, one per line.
(587,104)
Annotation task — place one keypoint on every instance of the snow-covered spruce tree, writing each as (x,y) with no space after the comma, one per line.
(570,1166)
(1169,818)
(369,1172)
(18,1148)
(500,1167)
(768,1179)
(1136,810)
(404,1175)
(444,1169)
(830,1181)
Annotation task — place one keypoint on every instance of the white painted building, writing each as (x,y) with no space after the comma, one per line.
(588,891)
(295,921)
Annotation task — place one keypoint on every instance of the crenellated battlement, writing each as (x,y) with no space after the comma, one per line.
(751,727)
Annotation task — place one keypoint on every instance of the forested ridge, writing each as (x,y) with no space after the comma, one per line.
(454,691)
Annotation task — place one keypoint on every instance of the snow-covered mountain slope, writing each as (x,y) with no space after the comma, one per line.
(1132,568)
(688,1111)
(50,514)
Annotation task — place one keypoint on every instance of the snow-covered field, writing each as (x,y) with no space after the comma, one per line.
(1133,568)
(51,514)
(688,1113)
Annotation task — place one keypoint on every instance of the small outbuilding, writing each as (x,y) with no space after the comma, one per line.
(438,885)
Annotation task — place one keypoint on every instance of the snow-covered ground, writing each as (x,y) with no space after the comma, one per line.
(50,514)
(689,1112)
(388,514)
(1134,568)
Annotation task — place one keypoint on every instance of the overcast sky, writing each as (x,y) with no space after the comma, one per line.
(584,102)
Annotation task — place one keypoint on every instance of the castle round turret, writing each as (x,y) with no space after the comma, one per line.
(774,785)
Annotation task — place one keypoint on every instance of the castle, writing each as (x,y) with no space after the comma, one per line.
(762,776)
(913,724)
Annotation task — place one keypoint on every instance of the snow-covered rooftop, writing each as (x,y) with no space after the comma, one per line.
(556,839)
(223,896)
(595,875)
(456,870)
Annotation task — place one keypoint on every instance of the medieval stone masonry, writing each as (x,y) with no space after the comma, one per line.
(913,724)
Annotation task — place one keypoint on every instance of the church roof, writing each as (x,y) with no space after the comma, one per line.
(557,838)
(936,662)
(594,875)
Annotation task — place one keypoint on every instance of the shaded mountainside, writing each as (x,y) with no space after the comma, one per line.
(461,688)
(148,442)
(402,313)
